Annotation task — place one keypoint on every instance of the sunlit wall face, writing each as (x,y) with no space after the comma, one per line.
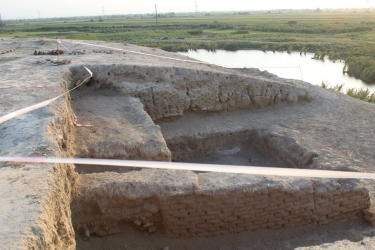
(19,9)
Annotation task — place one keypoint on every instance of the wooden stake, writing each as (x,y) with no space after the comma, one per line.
(57,51)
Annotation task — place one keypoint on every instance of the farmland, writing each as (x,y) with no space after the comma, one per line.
(338,34)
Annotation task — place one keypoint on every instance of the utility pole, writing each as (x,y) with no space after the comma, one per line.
(196,8)
(103,11)
(1,22)
(38,14)
(156,15)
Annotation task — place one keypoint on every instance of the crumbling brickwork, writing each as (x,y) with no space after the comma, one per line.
(185,204)
(170,91)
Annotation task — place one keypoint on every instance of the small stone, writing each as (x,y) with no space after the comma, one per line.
(152,229)
(137,222)
(166,248)
(86,234)
(147,224)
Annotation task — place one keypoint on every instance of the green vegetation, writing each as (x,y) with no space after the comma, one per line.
(361,94)
(335,35)
(362,67)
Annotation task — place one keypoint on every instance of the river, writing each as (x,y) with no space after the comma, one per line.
(282,64)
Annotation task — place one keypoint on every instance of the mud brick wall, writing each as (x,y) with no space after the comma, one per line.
(197,215)
(185,204)
(169,92)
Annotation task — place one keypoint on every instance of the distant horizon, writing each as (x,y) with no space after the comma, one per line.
(181,12)
(26,9)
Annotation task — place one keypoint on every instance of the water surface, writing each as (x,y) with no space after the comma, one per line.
(282,64)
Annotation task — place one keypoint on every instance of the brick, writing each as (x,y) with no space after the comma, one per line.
(369,211)
(369,218)
(290,225)
(274,227)
(296,220)
(290,199)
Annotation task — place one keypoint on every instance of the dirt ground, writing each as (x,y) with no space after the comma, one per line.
(348,235)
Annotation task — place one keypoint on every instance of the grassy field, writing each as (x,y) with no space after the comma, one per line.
(338,34)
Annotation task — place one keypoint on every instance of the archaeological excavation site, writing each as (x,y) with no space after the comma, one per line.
(150,105)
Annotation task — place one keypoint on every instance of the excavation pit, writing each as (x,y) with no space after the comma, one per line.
(150,108)
(186,204)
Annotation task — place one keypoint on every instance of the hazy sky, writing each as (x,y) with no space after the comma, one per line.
(15,9)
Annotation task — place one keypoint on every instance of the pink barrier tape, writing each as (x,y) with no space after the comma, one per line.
(64,46)
(266,67)
(41,104)
(176,59)
(26,86)
(142,53)
(199,167)
(75,122)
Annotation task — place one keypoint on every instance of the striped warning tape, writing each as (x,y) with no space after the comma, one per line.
(199,167)
(75,122)
(142,53)
(64,46)
(179,59)
(26,86)
(41,104)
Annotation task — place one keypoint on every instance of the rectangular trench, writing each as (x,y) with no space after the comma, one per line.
(189,204)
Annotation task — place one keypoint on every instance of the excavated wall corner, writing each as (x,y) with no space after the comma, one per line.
(169,92)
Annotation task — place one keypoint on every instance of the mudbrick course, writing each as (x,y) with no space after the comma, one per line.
(140,107)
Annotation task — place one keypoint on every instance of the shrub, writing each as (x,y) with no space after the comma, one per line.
(361,67)
(324,85)
(361,94)
(195,32)
(237,32)
(338,87)
(231,46)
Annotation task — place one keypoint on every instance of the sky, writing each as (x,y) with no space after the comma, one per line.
(20,9)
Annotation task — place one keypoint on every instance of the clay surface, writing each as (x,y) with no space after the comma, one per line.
(119,128)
